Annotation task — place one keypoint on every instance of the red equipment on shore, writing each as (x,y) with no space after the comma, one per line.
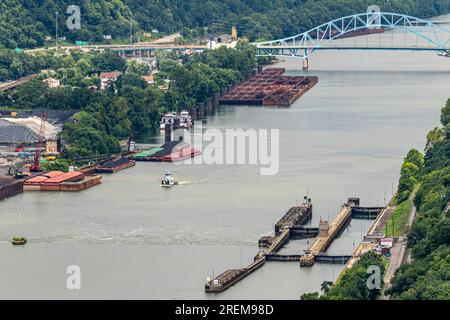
(36,166)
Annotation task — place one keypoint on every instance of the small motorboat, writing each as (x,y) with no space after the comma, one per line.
(19,241)
(168,180)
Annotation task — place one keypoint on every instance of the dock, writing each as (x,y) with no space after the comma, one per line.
(372,237)
(270,244)
(328,232)
(292,225)
(319,258)
(301,232)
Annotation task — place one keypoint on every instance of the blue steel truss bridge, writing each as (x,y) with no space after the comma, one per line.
(381,30)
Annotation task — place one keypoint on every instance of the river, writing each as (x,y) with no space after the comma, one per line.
(131,239)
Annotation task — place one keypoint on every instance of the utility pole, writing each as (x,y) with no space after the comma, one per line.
(56,33)
(131,33)
(131,27)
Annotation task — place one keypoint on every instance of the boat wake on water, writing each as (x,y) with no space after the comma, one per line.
(183,183)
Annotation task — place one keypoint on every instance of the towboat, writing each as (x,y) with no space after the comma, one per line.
(185,119)
(168,180)
(169,118)
(19,241)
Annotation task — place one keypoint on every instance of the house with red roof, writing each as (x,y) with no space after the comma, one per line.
(108,78)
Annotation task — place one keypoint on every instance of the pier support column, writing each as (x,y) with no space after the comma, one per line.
(306,64)
(201,110)
(216,102)
(168,133)
(209,106)
(193,113)
(260,69)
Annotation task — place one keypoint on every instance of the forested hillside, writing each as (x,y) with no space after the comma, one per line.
(428,276)
(25,23)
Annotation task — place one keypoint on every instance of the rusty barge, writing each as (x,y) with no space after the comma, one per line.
(60,181)
(113,166)
(10,188)
(270,88)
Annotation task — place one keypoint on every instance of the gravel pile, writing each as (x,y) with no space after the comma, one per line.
(16,133)
(24,130)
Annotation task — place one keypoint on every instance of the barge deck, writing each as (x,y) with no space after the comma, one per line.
(270,88)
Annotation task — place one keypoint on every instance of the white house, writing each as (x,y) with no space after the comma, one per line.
(108,78)
(52,82)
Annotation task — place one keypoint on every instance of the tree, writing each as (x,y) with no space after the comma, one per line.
(434,136)
(140,69)
(427,276)
(58,165)
(415,157)
(325,287)
(30,95)
(131,79)
(409,174)
(445,114)
(108,61)
(352,284)
(310,296)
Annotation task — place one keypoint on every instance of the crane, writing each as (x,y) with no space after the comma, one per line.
(36,166)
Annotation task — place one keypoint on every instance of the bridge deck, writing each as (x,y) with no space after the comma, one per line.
(340,47)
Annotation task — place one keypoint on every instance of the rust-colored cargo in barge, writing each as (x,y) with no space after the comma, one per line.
(86,182)
(65,177)
(59,181)
(269,88)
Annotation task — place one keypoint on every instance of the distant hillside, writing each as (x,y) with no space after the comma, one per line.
(25,23)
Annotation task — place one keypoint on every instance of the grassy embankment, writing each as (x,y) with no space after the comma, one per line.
(396,225)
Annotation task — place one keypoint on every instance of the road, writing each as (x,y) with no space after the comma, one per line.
(14,84)
(378,226)
(167,41)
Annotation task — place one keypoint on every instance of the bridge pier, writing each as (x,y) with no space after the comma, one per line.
(306,61)
(306,64)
